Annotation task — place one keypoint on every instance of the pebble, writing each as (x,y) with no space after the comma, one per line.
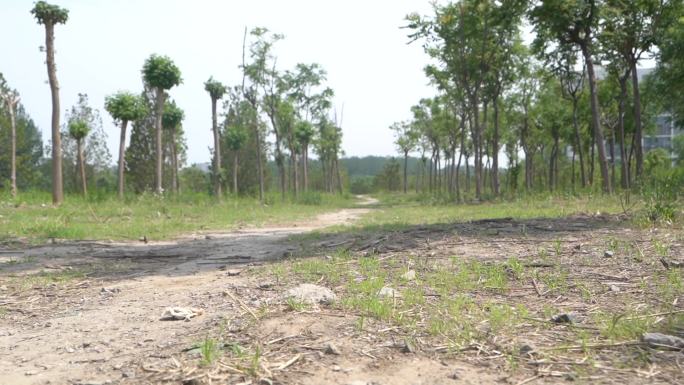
(608,254)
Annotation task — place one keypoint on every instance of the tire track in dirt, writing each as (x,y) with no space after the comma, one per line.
(97,330)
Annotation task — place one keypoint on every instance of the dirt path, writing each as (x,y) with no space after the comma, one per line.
(98,326)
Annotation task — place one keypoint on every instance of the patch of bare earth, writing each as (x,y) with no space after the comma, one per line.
(476,308)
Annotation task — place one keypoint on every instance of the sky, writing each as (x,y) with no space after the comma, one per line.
(375,74)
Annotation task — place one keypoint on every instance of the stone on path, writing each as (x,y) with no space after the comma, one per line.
(312,294)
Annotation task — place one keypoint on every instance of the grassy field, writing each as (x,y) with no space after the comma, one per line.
(32,217)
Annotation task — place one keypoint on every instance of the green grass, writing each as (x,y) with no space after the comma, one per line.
(407,210)
(31,216)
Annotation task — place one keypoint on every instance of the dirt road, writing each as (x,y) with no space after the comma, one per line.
(103,321)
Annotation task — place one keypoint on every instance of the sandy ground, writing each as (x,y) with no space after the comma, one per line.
(79,332)
(96,320)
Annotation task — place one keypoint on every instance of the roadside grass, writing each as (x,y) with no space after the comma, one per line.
(32,217)
(399,210)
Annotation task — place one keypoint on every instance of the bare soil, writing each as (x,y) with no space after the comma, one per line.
(89,312)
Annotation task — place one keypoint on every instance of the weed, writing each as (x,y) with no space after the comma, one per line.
(295,305)
(209,351)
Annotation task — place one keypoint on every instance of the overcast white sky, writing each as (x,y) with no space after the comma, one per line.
(103,46)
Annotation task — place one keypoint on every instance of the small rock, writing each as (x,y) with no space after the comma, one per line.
(614,288)
(608,254)
(233,272)
(330,348)
(265,381)
(179,313)
(671,264)
(336,368)
(70,350)
(311,294)
(526,349)
(128,373)
(659,340)
(577,246)
(564,318)
(408,347)
(265,285)
(31,373)
(388,292)
(409,275)
(455,375)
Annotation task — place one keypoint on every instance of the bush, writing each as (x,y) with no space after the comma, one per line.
(361,185)
(310,198)
(661,187)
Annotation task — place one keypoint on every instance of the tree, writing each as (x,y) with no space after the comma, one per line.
(406,139)
(11,100)
(236,136)
(304,133)
(140,155)
(171,122)
(216,91)
(93,145)
(161,74)
(124,107)
(49,15)
(78,130)
(567,23)
(631,29)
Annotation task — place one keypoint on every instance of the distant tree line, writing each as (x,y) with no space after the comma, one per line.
(576,88)
(294,106)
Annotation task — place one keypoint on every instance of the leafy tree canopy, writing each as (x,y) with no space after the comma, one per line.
(46,13)
(78,129)
(125,106)
(173,116)
(161,72)
(215,88)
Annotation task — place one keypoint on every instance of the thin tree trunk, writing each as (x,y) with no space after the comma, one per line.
(495,149)
(217,150)
(339,175)
(57,181)
(158,124)
(637,120)
(81,166)
(260,168)
(611,148)
(296,172)
(306,167)
(595,113)
(235,173)
(624,175)
(405,171)
(174,163)
(122,154)
(578,142)
(12,106)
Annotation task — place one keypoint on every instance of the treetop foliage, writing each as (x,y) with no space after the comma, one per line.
(49,14)
(173,116)
(161,72)
(215,88)
(125,106)
(78,129)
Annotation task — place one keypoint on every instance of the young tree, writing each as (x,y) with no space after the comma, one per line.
(124,107)
(78,130)
(236,136)
(216,91)
(406,139)
(49,15)
(631,29)
(93,144)
(11,100)
(171,122)
(567,23)
(161,74)
(304,133)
